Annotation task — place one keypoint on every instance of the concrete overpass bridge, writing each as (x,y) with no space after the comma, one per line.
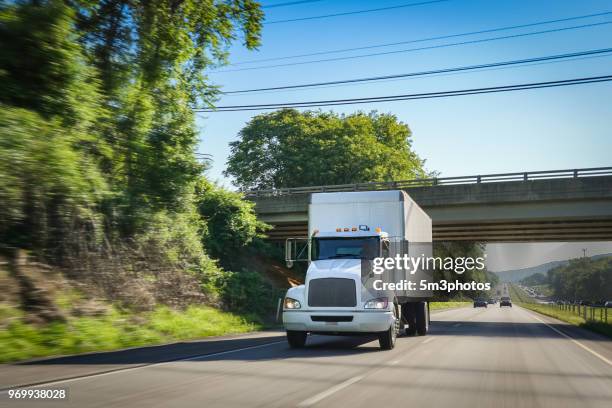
(558,205)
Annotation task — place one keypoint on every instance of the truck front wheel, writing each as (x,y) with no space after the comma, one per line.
(296,339)
(387,338)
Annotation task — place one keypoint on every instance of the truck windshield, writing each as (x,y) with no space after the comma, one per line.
(346,248)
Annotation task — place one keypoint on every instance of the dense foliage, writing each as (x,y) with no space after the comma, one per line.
(97,154)
(582,279)
(288,148)
(231,224)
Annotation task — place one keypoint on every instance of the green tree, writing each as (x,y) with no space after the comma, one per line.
(582,279)
(98,131)
(231,223)
(288,148)
(48,188)
(151,57)
(50,182)
(112,84)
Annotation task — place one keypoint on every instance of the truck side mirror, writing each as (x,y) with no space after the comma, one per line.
(296,250)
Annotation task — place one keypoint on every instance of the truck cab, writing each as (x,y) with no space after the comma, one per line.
(338,296)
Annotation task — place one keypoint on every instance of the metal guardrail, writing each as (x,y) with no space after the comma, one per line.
(436,181)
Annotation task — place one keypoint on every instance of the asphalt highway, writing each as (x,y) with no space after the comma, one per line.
(493,357)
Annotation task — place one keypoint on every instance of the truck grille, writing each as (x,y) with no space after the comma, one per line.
(332,292)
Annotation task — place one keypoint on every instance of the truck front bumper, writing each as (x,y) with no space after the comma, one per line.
(361,322)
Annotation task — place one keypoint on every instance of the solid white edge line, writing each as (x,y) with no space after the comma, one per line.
(123,370)
(593,352)
(320,396)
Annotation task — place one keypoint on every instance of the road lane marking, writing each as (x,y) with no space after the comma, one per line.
(593,352)
(456,324)
(428,340)
(315,399)
(394,362)
(123,370)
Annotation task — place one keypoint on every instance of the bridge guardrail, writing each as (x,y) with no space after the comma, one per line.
(435,181)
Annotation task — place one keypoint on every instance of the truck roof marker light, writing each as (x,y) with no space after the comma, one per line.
(354,229)
(346,230)
(378,229)
(338,229)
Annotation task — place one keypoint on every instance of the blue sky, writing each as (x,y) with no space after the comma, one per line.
(545,129)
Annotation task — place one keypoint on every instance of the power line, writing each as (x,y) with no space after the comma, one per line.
(405,97)
(430,72)
(532,64)
(291,20)
(442,37)
(289,3)
(483,40)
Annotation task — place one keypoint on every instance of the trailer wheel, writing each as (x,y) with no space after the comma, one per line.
(422,319)
(296,339)
(409,317)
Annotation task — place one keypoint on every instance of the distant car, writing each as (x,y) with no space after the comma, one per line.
(608,304)
(584,303)
(480,303)
(491,301)
(505,301)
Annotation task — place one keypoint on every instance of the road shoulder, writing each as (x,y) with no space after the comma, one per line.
(66,367)
(588,340)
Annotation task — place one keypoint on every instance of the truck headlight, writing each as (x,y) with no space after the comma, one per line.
(292,303)
(378,303)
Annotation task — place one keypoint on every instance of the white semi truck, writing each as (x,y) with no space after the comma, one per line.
(341,293)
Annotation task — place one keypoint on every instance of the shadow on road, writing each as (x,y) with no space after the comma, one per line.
(161,353)
(511,329)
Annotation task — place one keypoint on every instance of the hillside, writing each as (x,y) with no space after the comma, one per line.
(515,275)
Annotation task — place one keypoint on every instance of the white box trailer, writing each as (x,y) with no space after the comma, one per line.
(346,232)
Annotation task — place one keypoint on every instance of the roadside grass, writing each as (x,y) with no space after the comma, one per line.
(543,289)
(572,318)
(517,293)
(563,315)
(115,330)
(448,305)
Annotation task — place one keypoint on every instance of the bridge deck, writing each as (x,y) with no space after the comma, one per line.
(577,207)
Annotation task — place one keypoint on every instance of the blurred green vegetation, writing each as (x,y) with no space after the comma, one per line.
(101,180)
(98,154)
(116,329)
